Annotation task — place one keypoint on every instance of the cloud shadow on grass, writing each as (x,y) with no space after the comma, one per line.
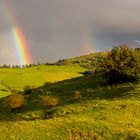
(91,87)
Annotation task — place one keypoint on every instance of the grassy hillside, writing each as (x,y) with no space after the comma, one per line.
(18,78)
(87,57)
(91,57)
(89,61)
(101,112)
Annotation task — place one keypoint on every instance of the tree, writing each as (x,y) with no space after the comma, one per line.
(120,65)
(137,49)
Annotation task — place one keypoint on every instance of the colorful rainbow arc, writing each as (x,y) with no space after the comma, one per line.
(20,42)
(86,46)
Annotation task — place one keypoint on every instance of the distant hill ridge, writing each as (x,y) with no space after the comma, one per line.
(81,59)
(86,59)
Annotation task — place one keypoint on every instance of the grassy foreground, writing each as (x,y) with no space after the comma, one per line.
(102,113)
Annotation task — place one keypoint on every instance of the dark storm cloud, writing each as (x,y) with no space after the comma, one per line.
(56,28)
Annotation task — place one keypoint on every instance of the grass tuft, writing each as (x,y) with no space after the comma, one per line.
(50,101)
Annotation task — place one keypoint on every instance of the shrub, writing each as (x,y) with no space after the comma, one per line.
(120,65)
(47,84)
(77,95)
(138,59)
(50,101)
(88,72)
(15,101)
(27,90)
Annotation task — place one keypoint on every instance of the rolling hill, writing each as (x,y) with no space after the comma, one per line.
(100,112)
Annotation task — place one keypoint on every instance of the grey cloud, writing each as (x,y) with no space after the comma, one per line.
(7,52)
(137,41)
(56,28)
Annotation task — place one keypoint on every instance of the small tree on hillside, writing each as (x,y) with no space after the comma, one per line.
(120,65)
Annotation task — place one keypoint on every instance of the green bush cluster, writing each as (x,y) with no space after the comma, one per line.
(120,65)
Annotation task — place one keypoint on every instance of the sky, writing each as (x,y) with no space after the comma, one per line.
(58,29)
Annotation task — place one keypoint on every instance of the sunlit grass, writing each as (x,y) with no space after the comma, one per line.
(102,111)
(18,78)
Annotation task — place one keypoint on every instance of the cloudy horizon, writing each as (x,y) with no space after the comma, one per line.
(60,29)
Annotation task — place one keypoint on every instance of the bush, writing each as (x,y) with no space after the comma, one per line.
(46,84)
(120,65)
(15,101)
(50,101)
(27,90)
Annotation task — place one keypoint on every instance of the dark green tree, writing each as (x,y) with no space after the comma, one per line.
(120,65)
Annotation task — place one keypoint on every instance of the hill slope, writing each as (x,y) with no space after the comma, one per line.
(17,78)
(101,112)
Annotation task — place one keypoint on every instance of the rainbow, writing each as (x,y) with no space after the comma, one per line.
(20,42)
(86,46)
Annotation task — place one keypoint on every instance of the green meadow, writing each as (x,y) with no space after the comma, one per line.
(18,78)
(101,112)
